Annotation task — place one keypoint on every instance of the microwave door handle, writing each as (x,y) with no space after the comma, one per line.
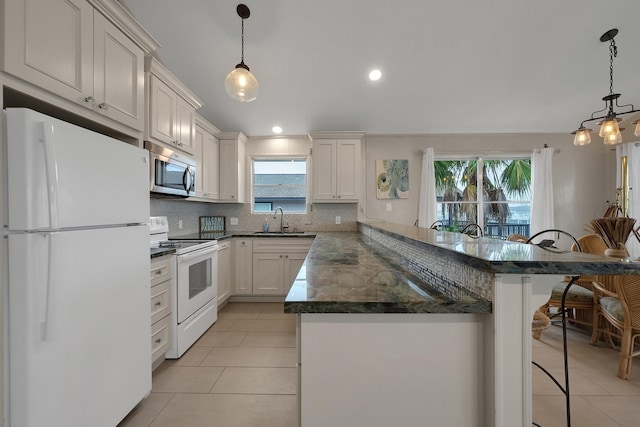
(187,179)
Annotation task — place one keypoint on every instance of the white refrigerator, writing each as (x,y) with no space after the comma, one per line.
(77,304)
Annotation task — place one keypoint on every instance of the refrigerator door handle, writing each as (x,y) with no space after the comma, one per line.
(42,289)
(51,166)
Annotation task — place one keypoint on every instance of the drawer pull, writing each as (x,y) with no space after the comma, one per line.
(158,340)
(158,304)
(159,272)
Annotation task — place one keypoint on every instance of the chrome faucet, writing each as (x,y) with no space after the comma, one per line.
(275,215)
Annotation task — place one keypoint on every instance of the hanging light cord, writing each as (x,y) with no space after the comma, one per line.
(613,53)
(242,47)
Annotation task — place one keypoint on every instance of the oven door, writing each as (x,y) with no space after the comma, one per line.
(196,280)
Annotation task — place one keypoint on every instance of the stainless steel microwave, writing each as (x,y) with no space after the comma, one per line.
(170,173)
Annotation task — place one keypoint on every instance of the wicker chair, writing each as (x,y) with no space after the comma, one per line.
(515,237)
(621,309)
(579,297)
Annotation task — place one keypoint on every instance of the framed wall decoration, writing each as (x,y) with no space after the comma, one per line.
(392,179)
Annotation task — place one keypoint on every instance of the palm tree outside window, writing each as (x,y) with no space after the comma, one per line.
(493,193)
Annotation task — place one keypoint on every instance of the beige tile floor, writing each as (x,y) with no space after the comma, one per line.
(598,396)
(242,373)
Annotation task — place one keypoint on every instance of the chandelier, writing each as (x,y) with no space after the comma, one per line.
(609,129)
(240,84)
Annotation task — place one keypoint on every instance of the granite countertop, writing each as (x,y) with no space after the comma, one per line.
(349,273)
(158,252)
(500,256)
(222,235)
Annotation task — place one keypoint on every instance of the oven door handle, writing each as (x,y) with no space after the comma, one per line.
(197,254)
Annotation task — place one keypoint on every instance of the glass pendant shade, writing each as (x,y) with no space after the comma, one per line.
(241,85)
(609,127)
(582,136)
(636,132)
(613,138)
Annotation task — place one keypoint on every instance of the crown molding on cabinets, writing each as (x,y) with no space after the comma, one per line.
(123,19)
(156,68)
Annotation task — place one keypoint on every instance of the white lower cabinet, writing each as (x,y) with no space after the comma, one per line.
(276,263)
(242,266)
(269,274)
(224,271)
(161,283)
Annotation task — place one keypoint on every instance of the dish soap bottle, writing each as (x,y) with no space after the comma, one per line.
(265,226)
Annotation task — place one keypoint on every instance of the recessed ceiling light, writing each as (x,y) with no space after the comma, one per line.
(276,129)
(375,75)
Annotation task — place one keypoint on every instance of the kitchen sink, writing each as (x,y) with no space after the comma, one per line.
(280,233)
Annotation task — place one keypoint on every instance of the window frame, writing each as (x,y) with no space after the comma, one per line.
(280,157)
(481,159)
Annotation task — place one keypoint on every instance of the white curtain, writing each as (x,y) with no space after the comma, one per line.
(541,190)
(632,151)
(427,202)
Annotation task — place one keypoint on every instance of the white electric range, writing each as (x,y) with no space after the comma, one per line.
(195,287)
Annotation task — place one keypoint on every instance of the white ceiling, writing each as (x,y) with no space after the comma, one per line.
(449,66)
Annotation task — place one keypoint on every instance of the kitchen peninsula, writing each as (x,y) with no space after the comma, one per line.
(412,326)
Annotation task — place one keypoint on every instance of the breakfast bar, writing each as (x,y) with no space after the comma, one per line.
(412,326)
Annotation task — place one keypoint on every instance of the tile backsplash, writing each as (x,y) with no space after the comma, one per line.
(320,216)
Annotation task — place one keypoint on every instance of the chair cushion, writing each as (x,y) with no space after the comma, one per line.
(612,306)
(576,293)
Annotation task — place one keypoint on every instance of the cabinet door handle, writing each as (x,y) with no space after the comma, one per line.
(280,256)
(286,256)
(103,106)
(90,100)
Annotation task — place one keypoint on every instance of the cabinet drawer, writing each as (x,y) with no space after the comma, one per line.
(160,338)
(160,301)
(282,244)
(161,270)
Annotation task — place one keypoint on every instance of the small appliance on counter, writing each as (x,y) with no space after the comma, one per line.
(195,287)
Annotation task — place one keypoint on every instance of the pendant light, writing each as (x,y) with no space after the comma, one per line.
(609,129)
(240,84)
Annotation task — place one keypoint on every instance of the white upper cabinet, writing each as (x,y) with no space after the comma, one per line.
(232,166)
(118,79)
(50,44)
(70,49)
(171,109)
(206,152)
(336,167)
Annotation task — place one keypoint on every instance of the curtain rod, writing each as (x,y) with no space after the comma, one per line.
(502,154)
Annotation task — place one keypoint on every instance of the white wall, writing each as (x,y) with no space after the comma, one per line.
(584,179)
(582,176)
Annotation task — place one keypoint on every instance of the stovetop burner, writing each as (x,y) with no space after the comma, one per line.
(158,238)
